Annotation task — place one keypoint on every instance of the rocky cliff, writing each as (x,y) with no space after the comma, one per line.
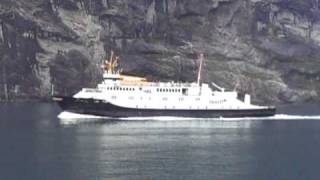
(268,48)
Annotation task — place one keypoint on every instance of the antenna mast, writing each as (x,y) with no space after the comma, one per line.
(200,58)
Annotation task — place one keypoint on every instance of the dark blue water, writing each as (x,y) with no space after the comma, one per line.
(34,144)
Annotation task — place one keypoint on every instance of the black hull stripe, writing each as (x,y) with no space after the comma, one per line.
(100,108)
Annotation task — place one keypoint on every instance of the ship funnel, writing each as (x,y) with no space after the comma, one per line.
(247,99)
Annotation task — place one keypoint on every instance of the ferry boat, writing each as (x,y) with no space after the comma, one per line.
(121,95)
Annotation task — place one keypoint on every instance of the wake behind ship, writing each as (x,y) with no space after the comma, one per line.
(130,96)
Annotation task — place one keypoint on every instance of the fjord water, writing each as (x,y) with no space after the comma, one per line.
(35,144)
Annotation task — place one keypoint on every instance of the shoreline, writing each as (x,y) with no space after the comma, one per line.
(29,99)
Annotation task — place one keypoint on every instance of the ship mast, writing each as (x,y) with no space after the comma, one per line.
(110,63)
(200,58)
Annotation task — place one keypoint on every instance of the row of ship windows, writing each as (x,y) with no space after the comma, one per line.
(120,88)
(167,90)
(132,89)
(180,99)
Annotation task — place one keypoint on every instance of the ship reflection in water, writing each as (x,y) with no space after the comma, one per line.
(35,144)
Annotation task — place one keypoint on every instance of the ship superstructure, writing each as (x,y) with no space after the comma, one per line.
(120,95)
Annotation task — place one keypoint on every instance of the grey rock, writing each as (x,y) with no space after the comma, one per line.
(268,48)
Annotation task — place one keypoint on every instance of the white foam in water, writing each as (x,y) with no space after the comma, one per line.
(70,115)
(71,118)
(74,118)
(275,117)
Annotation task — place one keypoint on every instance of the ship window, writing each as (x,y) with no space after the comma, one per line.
(197,99)
(164,99)
(120,89)
(140,88)
(181,99)
(185,91)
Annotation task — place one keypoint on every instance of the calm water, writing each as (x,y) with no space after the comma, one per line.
(34,144)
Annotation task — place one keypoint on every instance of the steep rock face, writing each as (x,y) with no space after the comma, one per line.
(268,48)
